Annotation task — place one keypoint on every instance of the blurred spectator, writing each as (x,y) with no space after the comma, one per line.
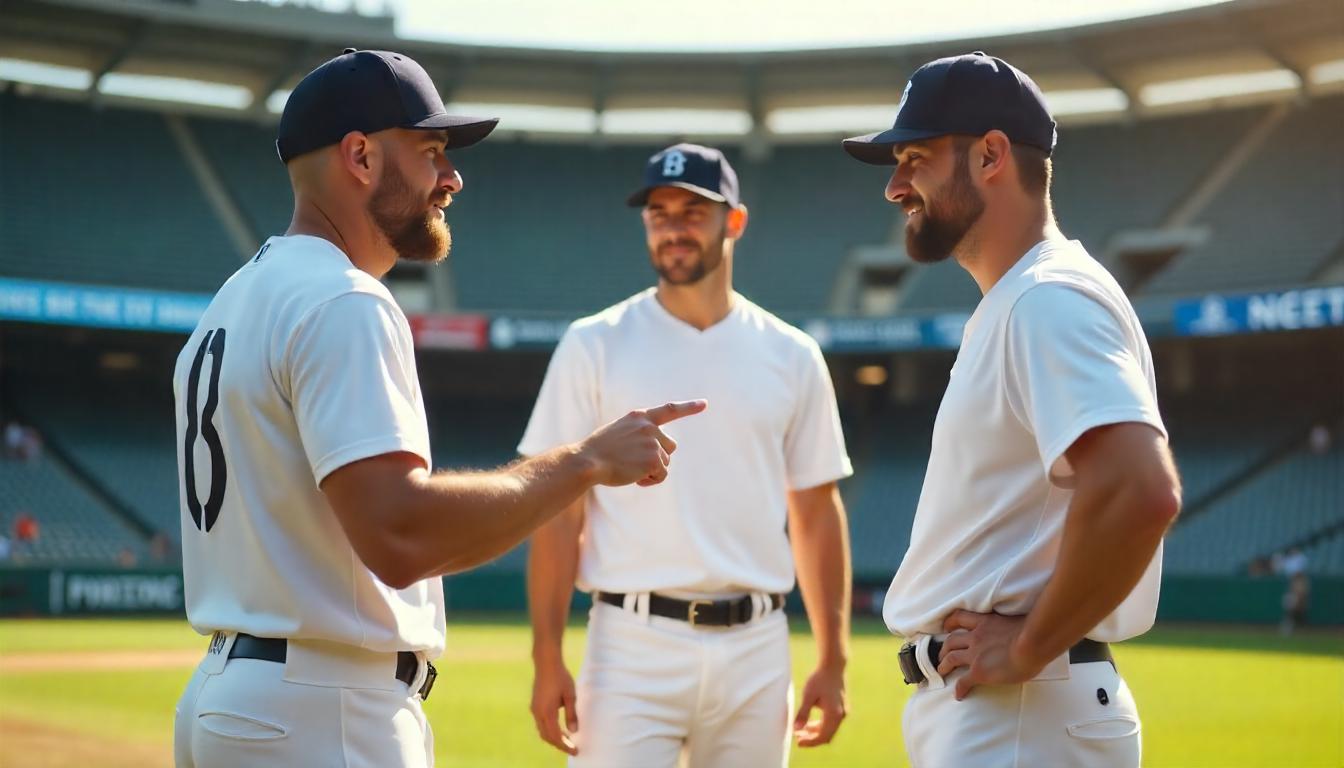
(1319,439)
(160,547)
(1294,562)
(4,548)
(126,558)
(1260,566)
(26,529)
(22,442)
(1296,600)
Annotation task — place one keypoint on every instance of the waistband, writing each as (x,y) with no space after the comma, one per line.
(698,613)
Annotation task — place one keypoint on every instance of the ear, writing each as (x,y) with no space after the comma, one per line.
(737,221)
(995,153)
(360,155)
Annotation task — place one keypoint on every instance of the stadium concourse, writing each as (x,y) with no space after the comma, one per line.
(1224,221)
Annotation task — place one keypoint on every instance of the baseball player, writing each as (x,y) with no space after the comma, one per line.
(314,534)
(687,656)
(1037,539)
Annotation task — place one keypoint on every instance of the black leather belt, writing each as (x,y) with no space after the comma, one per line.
(275,649)
(1084,652)
(698,613)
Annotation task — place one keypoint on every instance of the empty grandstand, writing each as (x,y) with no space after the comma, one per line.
(1227,208)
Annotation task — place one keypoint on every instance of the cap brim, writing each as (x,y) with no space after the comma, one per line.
(463,131)
(640,198)
(876,148)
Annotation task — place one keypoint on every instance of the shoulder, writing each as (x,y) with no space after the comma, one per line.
(601,326)
(776,332)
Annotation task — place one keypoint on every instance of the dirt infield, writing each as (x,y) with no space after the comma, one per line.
(99,660)
(38,745)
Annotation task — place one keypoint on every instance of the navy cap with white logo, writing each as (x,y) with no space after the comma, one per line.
(702,170)
(368,91)
(971,94)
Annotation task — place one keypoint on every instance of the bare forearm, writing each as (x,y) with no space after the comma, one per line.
(821,556)
(552,564)
(1110,537)
(465,519)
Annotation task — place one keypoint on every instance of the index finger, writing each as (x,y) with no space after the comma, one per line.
(673,411)
(962,619)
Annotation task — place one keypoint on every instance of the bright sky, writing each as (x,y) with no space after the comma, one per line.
(745,25)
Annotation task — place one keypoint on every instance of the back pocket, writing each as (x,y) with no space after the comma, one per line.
(230,725)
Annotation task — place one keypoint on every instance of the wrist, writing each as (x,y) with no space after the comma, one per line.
(580,458)
(547,655)
(833,661)
(1025,654)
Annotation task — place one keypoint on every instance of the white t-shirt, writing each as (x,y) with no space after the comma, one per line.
(1053,350)
(300,365)
(717,524)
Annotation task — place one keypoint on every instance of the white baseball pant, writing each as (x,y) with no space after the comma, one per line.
(327,705)
(1074,715)
(655,692)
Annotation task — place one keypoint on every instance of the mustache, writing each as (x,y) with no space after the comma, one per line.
(684,242)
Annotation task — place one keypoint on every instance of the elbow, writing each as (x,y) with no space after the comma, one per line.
(1163,505)
(393,567)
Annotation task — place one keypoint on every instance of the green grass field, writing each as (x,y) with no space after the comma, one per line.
(1211,697)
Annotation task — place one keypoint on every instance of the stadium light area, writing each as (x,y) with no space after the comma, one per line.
(1328,72)
(668,122)
(853,118)
(275,103)
(1087,101)
(532,118)
(180,89)
(1218,86)
(50,75)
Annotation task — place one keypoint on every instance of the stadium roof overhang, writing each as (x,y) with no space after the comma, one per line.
(1138,66)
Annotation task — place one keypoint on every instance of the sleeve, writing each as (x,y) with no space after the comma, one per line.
(1071,367)
(814,445)
(566,410)
(353,384)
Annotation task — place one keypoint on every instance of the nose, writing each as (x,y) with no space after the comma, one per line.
(449,178)
(898,186)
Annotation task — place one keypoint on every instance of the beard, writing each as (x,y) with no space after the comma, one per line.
(414,233)
(690,271)
(944,225)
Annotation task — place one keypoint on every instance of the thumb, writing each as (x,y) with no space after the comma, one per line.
(673,411)
(571,712)
(964,686)
(800,719)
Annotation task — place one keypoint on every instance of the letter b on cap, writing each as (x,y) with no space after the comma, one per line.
(674,164)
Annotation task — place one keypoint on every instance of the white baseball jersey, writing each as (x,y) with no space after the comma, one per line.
(1054,349)
(717,524)
(300,365)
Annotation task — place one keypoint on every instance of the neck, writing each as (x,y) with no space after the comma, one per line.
(358,241)
(997,242)
(704,303)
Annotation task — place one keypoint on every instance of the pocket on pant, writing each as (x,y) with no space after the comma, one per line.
(231,725)
(1105,729)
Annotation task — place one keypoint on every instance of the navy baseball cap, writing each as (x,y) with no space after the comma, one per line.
(971,94)
(702,170)
(368,91)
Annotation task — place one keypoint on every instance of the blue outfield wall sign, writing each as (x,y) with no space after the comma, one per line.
(1296,310)
(37,301)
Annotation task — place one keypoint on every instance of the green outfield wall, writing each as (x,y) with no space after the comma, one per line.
(93,591)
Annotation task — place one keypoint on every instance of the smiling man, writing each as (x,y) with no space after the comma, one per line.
(313,533)
(1037,539)
(688,648)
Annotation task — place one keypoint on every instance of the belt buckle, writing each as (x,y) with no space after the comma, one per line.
(693,610)
(910,670)
(431,674)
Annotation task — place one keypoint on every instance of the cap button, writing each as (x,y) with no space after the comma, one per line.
(350,50)
(979,53)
